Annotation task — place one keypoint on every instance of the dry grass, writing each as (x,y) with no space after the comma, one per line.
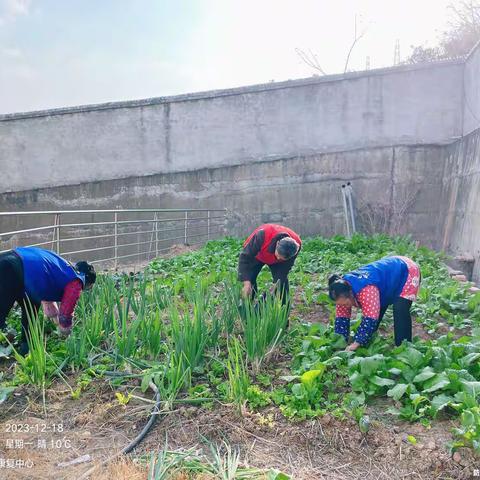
(122,469)
(126,469)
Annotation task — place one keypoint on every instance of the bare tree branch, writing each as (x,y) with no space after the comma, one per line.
(355,40)
(310,59)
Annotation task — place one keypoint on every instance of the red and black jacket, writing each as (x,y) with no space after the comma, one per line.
(260,247)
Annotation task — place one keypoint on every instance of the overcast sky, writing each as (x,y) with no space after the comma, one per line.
(57,53)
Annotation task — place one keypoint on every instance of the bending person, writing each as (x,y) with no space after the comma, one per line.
(272,245)
(372,288)
(31,276)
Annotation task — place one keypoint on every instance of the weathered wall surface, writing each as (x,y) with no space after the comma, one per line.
(471,92)
(461,196)
(404,105)
(303,192)
(461,178)
(276,152)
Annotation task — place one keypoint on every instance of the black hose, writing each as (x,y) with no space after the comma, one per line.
(153,414)
(151,421)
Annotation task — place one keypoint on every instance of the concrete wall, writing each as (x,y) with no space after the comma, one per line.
(471,92)
(276,152)
(461,198)
(404,105)
(303,192)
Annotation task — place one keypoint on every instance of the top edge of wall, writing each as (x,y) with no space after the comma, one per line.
(472,50)
(234,91)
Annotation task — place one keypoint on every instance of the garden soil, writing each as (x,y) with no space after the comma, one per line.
(325,448)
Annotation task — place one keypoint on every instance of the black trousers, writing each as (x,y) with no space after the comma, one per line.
(402,320)
(12,290)
(279,275)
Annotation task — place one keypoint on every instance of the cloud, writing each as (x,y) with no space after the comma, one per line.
(11,9)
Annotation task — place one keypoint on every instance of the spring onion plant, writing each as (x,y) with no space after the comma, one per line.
(237,373)
(189,334)
(264,325)
(230,300)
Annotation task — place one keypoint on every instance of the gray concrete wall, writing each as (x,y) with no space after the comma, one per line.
(404,105)
(471,92)
(394,186)
(276,152)
(461,199)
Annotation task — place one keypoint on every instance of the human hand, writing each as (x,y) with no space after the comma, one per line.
(65,325)
(247,289)
(50,309)
(352,347)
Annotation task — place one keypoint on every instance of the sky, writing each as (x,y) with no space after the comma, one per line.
(56,53)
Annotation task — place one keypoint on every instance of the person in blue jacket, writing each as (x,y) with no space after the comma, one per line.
(31,276)
(372,288)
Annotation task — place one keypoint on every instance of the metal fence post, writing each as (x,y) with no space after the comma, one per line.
(208,225)
(116,239)
(57,223)
(186,231)
(54,233)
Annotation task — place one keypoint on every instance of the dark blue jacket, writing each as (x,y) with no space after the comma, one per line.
(388,274)
(46,274)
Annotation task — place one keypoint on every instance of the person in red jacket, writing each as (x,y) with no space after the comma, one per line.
(273,245)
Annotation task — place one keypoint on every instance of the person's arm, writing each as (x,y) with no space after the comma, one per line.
(247,260)
(71,294)
(369,300)
(343,315)
(282,269)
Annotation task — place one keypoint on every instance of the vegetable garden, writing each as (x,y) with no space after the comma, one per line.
(251,390)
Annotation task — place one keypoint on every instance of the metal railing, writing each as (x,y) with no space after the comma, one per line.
(110,237)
